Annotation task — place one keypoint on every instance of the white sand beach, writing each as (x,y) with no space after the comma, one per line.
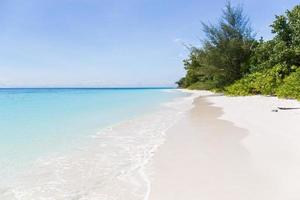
(231,148)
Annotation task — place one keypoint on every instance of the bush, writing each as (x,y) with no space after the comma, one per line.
(181,83)
(206,85)
(243,87)
(265,82)
(269,80)
(291,86)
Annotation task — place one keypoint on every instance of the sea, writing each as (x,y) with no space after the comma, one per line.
(83,143)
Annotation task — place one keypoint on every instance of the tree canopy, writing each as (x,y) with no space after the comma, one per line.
(232,60)
(225,52)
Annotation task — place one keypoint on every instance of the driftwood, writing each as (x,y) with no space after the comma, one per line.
(285,108)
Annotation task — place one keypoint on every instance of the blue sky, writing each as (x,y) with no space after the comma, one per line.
(109,42)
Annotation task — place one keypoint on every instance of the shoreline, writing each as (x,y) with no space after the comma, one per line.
(112,164)
(230,148)
(198,146)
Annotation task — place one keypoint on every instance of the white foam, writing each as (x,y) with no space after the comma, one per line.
(112,166)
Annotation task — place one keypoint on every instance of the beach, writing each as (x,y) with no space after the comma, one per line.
(230,148)
(191,145)
(150,100)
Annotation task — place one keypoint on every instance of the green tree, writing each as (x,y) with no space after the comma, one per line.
(225,54)
(275,64)
(284,48)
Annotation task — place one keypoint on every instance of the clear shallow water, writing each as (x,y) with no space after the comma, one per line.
(82,143)
(34,122)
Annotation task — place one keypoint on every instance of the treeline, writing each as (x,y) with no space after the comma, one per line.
(231,60)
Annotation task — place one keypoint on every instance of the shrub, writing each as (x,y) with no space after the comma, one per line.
(243,87)
(269,80)
(206,85)
(291,86)
(265,82)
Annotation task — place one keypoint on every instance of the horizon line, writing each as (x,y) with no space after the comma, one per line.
(150,87)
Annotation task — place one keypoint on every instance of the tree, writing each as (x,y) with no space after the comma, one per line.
(275,65)
(284,48)
(224,56)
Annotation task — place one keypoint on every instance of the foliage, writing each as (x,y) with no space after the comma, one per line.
(265,82)
(225,52)
(291,86)
(231,60)
(207,85)
(181,83)
(284,48)
(244,86)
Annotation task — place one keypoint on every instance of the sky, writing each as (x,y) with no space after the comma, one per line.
(109,43)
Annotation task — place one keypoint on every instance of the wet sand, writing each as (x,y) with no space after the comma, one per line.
(205,157)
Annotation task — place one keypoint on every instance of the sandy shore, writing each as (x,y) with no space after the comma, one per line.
(231,148)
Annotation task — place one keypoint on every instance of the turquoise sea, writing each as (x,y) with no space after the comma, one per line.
(82,143)
(35,122)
